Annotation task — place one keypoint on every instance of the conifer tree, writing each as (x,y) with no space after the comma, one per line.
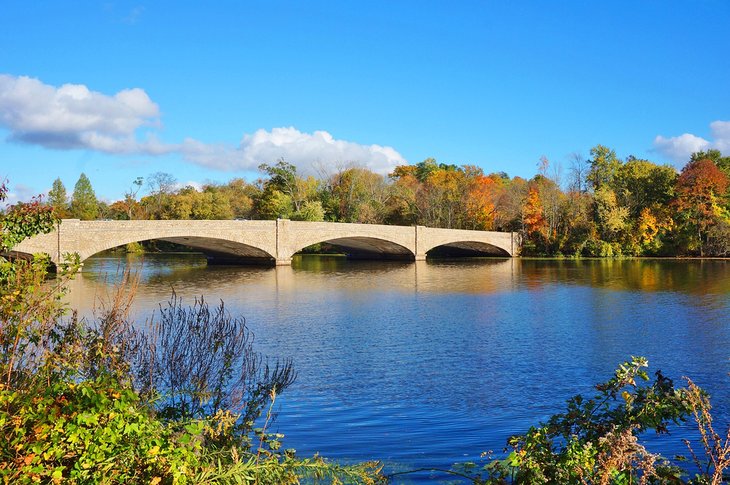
(58,198)
(84,205)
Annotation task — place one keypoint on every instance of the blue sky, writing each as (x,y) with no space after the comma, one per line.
(207,91)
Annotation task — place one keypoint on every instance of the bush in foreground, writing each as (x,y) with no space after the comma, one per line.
(101,402)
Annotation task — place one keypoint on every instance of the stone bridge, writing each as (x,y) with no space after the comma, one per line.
(269,242)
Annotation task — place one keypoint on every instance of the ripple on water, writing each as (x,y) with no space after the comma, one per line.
(430,364)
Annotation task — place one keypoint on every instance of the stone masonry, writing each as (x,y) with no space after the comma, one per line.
(268,242)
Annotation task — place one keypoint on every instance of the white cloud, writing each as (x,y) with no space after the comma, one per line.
(721,134)
(191,183)
(18,193)
(679,148)
(309,152)
(73,117)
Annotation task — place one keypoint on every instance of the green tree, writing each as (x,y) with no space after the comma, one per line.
(84,204)
(640,183)
(58,198)
(357,194)
(282,176)
(280,195)
(311,210)
(604,167)
(274,204)
(612,218)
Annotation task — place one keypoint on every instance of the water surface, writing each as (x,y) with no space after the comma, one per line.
(431,363)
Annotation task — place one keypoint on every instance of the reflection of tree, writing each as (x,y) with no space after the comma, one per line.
(648,275)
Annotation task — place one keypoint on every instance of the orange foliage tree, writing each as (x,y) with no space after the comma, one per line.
(480,202)
(700,193)
(533,218)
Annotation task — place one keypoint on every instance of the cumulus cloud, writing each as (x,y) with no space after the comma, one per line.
(309,152)
(74,117)
(679,148)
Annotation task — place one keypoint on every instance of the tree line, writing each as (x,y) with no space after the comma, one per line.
(603,206)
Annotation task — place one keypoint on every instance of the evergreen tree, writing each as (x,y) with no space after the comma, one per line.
(58,198)
(83,201)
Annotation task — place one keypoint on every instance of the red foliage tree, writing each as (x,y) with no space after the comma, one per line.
(700,192)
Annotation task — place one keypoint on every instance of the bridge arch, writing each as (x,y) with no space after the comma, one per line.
(217,250)
(367,247)
(467,249)
(221,241)
(366,241)
(467,243)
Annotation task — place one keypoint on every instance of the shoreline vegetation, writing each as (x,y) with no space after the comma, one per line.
(602,206)
(189,400)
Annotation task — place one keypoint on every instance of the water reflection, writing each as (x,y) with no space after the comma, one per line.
(397,359)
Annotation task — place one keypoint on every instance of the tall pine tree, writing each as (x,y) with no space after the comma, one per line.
(58,198)
(84,205)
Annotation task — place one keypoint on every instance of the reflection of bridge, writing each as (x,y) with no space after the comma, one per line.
(273,242)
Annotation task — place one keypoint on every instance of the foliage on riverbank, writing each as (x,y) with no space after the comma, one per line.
(598,440)
(98,401)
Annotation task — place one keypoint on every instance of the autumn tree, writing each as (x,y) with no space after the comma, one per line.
(723,163)
(612,219)
(509,206)
(553,201)
(357,194)
(701,189)
(131,206)
(161,185)
(404,209)
(84,204)
(241,195)
(481,194)
(431,193)
(580,226)
(534,222)
(652,227)
(441,198)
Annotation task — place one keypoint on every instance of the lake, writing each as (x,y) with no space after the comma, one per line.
(431,363)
